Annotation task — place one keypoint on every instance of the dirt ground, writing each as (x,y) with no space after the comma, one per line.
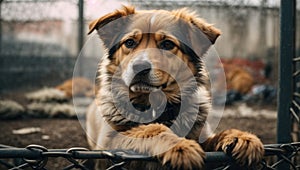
(66,133)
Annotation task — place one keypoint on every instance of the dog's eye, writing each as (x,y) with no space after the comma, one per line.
(167,45)
(130,43)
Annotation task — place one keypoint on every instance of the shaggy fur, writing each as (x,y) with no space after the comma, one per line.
(46,95)
(11,110)
(151,40)
(83,87)
(238,78)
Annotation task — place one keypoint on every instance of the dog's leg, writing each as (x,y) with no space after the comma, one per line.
(158,140)
(244,147)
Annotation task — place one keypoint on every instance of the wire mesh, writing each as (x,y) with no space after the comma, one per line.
(38,28)
(295,106)
(36,157)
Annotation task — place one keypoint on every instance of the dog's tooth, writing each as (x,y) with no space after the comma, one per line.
(132,88)
(157,88)
(135,88)
(144,88)
(151,88)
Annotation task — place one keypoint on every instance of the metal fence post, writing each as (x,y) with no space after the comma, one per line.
(1,26)
(285,89)
(80,30)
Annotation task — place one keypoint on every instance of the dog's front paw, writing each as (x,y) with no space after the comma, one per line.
(244,147)
(186,154)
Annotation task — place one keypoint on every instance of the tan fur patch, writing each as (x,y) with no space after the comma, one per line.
(238,78)
(83,87)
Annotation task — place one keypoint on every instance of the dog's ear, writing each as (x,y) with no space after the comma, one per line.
(209,30)
(98,23)
(107,28)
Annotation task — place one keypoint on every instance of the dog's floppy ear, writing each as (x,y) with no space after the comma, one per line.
(108,33)
(209,30)
(98,23)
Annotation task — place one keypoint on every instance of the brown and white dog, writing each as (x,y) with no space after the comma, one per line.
(153,95)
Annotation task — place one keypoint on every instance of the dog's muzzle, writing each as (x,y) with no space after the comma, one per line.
(141,67)
(143,80)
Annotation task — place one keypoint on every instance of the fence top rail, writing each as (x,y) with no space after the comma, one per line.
(38,151)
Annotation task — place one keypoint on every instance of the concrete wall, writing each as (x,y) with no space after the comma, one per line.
(247,32)
(250,32)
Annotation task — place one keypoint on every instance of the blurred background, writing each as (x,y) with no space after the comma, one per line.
(41,39)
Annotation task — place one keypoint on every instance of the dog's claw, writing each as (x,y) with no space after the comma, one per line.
(244,147)
(229,148)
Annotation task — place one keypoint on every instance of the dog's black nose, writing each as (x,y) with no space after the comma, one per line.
(141,67)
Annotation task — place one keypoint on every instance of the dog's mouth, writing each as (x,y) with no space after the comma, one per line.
(145,87)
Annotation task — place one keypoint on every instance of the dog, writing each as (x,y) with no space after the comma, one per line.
(238,78)
(83,87)
(153,91)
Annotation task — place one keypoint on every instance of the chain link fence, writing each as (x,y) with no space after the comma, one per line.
(36,157)
(38,28)
(37,37)
(295,106)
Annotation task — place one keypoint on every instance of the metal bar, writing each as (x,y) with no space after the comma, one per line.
(294,114)
(287,52)
(1,1)
(285,90)
(296,73)
(296,94)
(80,32)
(19,153)
(36,154)
(212,157)
(296,104)
(296,59)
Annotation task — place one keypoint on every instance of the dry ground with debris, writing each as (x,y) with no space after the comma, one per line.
(58,133)
(66,133)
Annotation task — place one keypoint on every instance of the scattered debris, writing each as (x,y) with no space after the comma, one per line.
(263,94)
(233,96)
(246,81)
(47,95)
(26,131)
(51,110)
(10,109)
(242,110)
(45,137)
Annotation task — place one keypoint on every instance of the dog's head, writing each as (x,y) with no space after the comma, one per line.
(154,50)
